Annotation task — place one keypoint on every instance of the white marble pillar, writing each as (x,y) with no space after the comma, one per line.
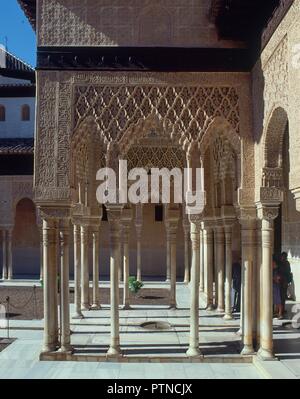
(209,265)
(114,218)
(4,254)
(201,265)
(85,277)
(267,215)
(126,295)
(220,267)
(194,350)
(228,279)
(96,297)
(259,302)
(248,230)
(168,253)
(77,273)
(139,227)
(65,335)
(41,253)
(173,226)
(50,284)
(216,291)
(9,255)
(187,238)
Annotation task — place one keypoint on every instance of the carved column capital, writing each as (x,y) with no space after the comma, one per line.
(267,212)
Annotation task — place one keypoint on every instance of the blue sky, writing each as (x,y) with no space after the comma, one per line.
(20,35)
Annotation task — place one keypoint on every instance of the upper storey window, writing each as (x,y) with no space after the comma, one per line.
(25,113)
(2,113)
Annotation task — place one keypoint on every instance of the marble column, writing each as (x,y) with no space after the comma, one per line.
(194,350)
(85,276)
(220,267)
(9,255)
(267,216)
(96,298)
(248,229)
(209,265)
(201,265)
(77,273)
(126,294)
(168,253)
(126,225)
(216,291)
(4,254)
(50,284)
(139,226)
(65,341)
(228,279)
(41,253)
(187,238)
(259,302)
(173,226)
(114,217)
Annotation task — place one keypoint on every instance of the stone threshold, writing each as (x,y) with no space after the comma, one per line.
(73,357)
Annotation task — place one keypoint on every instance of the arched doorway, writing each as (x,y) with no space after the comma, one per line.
(26,245)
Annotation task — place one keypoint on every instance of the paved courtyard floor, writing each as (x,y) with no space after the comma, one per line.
(219,343)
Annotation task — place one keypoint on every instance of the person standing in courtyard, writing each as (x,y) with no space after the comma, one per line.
(287,278)
(236,286)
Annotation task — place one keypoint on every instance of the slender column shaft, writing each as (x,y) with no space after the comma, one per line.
(77,272)
(173,256)
(266,327)
(248,333)
(186,255)
(248,256)
(201,262)
(85,278)
(208,262)
(168,255)
(259,303)
(9,255)
(41,254)
(220,267)
(96,299)
(216,291)
(115,257)
(64,287)
(228,281)
(194,350)
(139,254)
(4,254)
(126,297)
(50,284)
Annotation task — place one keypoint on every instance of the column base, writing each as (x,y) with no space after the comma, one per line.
(248,350)
(114,351)
(210,308)
(48,349)
(240,332)
(126,307)
(66,349)
(85,307)
(220,310)
(265,354)
(173,306)
(228,317)
(95,306)
(194,352)
(78,316)
(168,280)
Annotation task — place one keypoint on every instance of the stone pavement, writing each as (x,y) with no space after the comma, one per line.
(218,340)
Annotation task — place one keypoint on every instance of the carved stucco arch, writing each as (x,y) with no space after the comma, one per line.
(273,137)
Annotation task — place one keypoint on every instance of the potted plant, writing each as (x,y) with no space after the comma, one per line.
(135,285)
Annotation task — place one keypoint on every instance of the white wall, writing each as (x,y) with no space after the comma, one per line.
(14,127)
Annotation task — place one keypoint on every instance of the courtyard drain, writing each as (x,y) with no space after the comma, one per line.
(156,325)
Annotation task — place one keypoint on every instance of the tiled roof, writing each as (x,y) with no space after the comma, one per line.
(16,146)
(12,66)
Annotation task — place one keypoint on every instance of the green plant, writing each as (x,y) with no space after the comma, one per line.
(135,285)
